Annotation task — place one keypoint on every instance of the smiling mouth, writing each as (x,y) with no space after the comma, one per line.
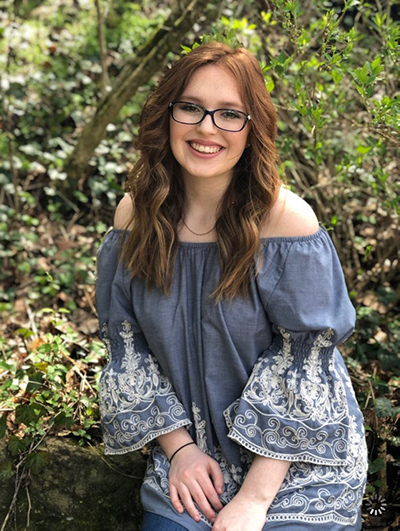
(205,149)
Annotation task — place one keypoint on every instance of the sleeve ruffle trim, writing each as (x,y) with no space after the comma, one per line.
(111,449)
(137,402)
(294,411)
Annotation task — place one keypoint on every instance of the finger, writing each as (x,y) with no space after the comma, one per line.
(175,499)
(187,501)
(202,502)
(210,492)
(217,477)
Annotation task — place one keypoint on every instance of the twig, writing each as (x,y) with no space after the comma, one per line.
(18,481)
(64,232)
(90,302)
(3,351)
(28,516)
(110,466)
(371,390)
(74,218)
(69,203)
(76,369)
(31,319)
(352,235)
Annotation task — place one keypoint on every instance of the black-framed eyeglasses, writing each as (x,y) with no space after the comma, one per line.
(188,113)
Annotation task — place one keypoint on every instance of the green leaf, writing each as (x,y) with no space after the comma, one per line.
(378,20)
(270,84)
(6,470)
(8,366)
(375,65)
(362,74)
(375,466)
(63,420)
(24,332)
(384,407)
(16,445)
(281,58)
(368,250)
(363,149)
(27,413)
(38,460)
(3,425)
(35,382)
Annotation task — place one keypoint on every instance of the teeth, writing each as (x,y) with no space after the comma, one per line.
(205,149)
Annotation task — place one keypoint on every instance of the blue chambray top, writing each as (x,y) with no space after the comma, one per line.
(260,375)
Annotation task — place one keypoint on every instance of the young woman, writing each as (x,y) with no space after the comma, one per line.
(221,302)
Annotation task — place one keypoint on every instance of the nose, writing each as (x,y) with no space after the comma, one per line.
(207,125)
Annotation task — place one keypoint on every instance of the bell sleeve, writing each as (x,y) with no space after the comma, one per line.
(137,401)
(295,404)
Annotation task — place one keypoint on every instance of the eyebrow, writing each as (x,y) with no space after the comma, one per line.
(220,105)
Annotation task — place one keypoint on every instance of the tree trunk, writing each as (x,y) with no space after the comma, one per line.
(137,72)
(105,81)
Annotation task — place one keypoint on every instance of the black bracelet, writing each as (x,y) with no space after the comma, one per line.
(176,451)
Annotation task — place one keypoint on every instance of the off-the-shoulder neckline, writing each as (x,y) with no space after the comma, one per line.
(272,239)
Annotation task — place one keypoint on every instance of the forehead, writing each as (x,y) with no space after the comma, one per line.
(213,84)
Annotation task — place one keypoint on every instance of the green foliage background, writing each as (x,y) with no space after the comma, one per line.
(332,70)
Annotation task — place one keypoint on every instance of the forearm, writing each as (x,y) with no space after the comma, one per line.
(248,509)
(264,479)
(170,442)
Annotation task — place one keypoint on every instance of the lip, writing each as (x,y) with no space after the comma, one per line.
(208,144)
(203,142)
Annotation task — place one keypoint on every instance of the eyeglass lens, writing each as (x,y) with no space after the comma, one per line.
(189,113)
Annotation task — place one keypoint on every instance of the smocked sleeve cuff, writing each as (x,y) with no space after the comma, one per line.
(294,405)
(137,402)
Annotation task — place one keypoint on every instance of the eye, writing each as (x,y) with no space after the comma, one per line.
(189,108)
(229,114)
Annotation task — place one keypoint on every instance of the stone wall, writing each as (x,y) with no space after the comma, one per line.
(79,490)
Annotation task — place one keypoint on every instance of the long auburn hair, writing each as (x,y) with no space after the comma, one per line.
(157,190)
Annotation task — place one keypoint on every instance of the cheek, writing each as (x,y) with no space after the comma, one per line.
(173,137)
(242,142)
(175,133)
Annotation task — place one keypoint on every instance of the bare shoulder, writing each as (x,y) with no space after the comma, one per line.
(124,213)
(290,216)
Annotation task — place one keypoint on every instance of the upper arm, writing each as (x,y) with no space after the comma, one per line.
(124,213)
(290,216)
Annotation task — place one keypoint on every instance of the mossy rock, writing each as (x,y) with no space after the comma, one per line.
(78,490)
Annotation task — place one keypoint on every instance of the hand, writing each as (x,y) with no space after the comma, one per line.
(241,514)
(195,476)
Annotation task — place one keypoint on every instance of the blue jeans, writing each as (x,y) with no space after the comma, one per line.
(154,522)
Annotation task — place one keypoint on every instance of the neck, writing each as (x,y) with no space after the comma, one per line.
(202,199)
(203,196)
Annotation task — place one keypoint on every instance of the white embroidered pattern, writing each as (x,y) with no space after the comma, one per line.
(331,491)
(314,491)
(271,419)
(296,411)
(137,402)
